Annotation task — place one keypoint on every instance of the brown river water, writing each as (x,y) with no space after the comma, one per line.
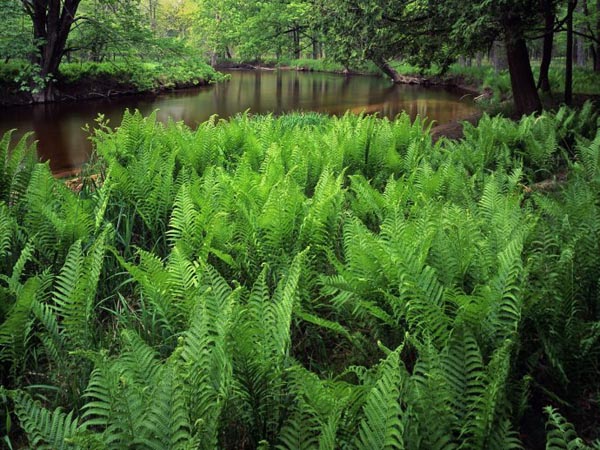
(58,126)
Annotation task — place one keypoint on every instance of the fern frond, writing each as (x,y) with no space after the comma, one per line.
(561,434)
(382,426)
(49,430)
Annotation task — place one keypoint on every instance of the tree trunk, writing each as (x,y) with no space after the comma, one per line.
(569,55)
(597,48)
(51,27)
(581,57)
(498,56)
(580,54)
(385,67)
(544,79)
(296,37)
(525,94)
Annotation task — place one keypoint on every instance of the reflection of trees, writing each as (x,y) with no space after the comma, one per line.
(345,86)
(316,91)
(279,92)
(257,91)
(220,93)
(296,92)
(52,144)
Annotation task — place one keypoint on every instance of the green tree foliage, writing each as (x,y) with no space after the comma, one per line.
(255,30)
(434,31)
(107,28)
(15,36)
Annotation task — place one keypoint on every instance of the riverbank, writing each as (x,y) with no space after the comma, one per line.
(481,81)
(456,81)
(87,81)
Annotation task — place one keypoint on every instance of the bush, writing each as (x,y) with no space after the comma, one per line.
(143,75)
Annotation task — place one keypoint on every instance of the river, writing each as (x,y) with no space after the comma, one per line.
(58,127)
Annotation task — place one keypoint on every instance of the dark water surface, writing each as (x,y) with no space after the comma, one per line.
(58,126)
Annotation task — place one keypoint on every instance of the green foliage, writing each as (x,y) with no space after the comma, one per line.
(141,75)
(15,37)
(305,282)
(46,429)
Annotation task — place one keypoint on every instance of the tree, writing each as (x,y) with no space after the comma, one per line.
(380,31)
(110,27)
(590,24)
(52,21)
(15,33)
(569,53)
(549,13)
(435,31)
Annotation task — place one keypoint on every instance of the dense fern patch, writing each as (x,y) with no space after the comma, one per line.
(305,282)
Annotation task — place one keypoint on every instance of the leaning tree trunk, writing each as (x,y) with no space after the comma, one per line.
(544,79)
(51,26)
(388,70)
(525,94)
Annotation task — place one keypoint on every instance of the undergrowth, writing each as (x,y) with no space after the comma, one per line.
(143,75)
(305,282)
(134,72)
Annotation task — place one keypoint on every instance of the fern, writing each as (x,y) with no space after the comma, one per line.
(76,289)
(383,426)
(52,430)
(561,434)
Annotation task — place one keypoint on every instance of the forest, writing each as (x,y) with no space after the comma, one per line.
(302,278)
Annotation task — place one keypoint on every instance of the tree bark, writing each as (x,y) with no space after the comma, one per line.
(296,38)
(498,56)
(581,57)
(525,94)
(387,69)
(569,55)
(479,59)
(597,48)
(51,26)
(544,79)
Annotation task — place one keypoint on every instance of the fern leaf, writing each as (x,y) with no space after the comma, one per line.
(382,426)
(46,430)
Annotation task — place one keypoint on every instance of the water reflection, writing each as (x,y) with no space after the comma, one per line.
(58,127)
